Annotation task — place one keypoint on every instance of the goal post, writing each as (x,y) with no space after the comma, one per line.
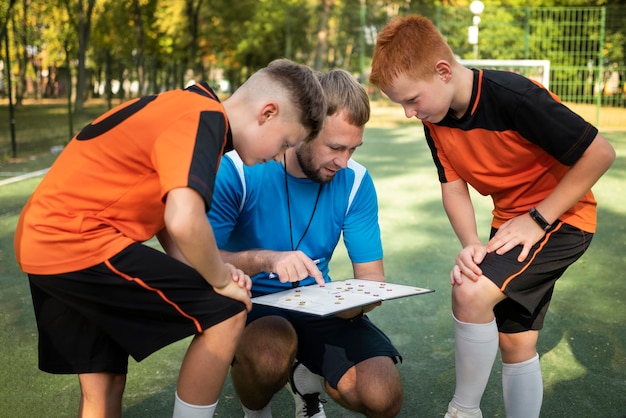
(538,70)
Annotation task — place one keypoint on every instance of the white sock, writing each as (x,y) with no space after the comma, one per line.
(183,409)
(522,387)
(306,381)
(266,412)
(475,349)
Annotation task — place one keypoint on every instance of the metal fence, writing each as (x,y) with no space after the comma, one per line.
(585,48)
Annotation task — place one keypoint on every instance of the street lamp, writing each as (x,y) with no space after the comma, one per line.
(476,7)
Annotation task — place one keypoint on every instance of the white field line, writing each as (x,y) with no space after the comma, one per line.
(23,176)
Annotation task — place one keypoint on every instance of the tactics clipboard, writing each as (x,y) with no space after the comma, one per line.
(337,296)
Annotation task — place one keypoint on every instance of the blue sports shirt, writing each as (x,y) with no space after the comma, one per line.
(249,211)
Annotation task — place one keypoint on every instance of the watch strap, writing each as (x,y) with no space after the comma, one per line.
(539,219)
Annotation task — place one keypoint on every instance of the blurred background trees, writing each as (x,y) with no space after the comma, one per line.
(118,49)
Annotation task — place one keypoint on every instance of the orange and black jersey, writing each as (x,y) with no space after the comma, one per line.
(515,143)
(107,188)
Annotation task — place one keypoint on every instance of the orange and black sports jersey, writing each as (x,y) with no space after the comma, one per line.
(107,188)
(515,143)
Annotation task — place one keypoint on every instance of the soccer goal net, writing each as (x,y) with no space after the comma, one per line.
(538,70)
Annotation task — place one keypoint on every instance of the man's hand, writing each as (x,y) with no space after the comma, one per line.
(293,266)
(353,313)
(521,230)
(467,262)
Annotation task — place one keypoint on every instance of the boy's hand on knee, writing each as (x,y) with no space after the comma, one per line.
(467,262)
(233,290)
(239,277)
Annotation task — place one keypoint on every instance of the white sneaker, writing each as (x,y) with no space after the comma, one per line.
(457,413)
(261,413)
(307,405)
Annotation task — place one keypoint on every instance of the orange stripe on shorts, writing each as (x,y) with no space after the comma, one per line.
(543,243)
(157,291)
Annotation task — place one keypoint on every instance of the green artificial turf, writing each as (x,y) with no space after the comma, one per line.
(582,347)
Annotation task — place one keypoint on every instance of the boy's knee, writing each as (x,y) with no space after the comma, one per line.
(101,388)
(518,347)
(480,295)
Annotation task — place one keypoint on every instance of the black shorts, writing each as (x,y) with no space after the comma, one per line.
(133,304)
(329,346)
(529,284)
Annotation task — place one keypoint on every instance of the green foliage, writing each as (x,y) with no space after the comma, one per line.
(163,44)
(265,38)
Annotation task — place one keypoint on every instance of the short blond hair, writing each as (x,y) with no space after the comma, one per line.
(344,92)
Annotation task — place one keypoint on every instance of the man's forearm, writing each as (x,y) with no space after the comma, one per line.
(251,262)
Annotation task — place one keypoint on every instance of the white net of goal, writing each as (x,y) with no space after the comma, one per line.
(538,70)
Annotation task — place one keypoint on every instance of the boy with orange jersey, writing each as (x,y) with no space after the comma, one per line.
(146,168)
(513,140)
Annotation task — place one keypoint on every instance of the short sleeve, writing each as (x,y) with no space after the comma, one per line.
(228,196)
(361,231)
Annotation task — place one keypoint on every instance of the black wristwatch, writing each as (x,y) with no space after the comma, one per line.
(539,219)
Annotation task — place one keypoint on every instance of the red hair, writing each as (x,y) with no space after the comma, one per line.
(410,45)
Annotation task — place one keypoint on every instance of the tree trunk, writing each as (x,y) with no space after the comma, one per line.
(321,46)
(20,82)
(139,57)
(84,31)
(5,23)
(193,14)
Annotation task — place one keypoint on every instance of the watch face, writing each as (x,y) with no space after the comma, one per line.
(540,220)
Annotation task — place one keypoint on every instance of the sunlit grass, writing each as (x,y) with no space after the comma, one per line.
(560,365)
(39,127)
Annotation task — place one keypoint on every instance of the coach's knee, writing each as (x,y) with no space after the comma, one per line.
(385,403)
(268,347)
(373,387)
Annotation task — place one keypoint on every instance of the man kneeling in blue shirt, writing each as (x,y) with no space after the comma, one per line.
(272,221)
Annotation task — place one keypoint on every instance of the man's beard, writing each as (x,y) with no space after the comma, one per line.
(306,164)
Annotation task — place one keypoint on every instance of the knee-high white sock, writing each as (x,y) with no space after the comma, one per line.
(183,409)
(476,346)
(522,386)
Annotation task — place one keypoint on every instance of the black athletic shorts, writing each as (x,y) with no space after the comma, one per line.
(329,346)
(529,285)
(133,304)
